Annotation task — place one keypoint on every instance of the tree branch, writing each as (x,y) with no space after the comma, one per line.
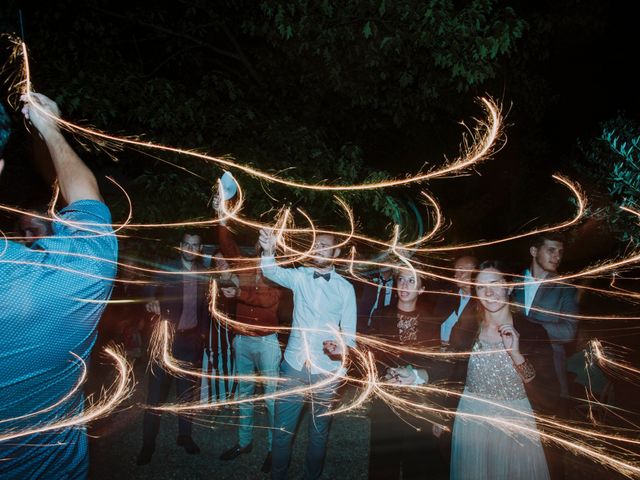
(174,33)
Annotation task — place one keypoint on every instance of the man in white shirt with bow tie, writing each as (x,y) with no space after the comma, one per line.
(324,323)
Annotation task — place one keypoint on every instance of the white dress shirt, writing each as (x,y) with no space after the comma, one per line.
(321,309)
(530,290)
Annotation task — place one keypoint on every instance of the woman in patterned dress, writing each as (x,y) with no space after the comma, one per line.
(510,369)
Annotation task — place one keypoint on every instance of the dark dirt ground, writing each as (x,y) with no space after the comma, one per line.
(116,440)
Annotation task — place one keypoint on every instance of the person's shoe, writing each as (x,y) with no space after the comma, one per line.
(146,452)
(236,451)
(189,445)
(266,466)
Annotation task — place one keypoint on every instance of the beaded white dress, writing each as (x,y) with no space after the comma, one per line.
(503,444)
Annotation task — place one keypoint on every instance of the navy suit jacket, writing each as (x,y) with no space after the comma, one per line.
(168,289)
(366,300)
(447,303)
(553,297)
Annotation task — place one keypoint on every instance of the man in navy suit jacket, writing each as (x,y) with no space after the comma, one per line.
(374,296)
(552,304)
(180,297)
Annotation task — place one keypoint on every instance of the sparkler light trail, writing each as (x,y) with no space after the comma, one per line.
(67,396)
(297,245)
(485,138)
(552,430)
(160,354)
(106,404)
(608,363)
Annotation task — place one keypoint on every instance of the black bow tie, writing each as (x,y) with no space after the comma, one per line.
(326,276)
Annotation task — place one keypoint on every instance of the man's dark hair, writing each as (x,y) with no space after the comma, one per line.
(538,240)
(191,232)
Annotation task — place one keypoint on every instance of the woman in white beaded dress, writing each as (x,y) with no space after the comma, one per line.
(494,433)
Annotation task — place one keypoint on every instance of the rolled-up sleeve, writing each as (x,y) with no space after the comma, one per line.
(282,276)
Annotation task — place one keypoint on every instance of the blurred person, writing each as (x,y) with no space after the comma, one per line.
(178,296)
(51,304)
(255,342)
(324,321)
(221,337)
(402,448)
(125,316)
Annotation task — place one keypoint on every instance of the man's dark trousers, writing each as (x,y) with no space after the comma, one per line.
(187,348)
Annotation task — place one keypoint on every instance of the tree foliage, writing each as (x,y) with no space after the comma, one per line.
(301,88)
(612,161)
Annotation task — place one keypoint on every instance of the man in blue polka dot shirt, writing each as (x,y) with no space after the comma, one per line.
(51,297)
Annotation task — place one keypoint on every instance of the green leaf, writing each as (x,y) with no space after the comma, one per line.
(366,30)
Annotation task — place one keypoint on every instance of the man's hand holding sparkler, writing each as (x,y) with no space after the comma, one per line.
(153,307)
(406,376)
(230,292)
(267,242)
(334,350)
(75,180)
(227,188)
(41,112)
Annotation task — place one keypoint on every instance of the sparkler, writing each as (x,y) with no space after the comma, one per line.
(608,363)
(486,140)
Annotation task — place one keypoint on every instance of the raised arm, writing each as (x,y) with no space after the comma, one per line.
(228,246)
(282,276)
(75,179)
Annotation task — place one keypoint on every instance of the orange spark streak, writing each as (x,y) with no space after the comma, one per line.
(484,146)
(68,395)
(120,390)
